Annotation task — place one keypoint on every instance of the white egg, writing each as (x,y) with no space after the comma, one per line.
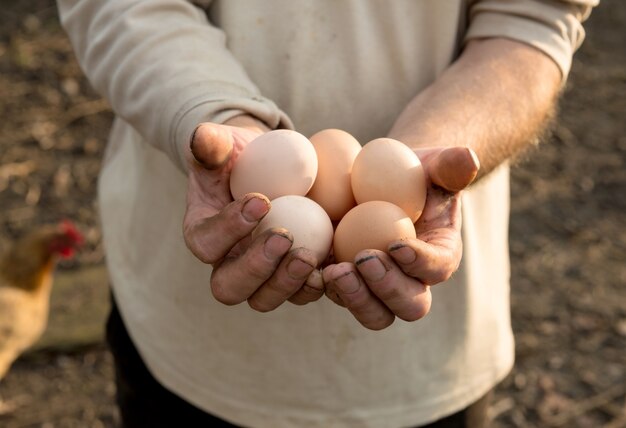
(305,219)
(277,163)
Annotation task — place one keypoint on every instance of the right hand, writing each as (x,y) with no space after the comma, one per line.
(379,286)
(265,271)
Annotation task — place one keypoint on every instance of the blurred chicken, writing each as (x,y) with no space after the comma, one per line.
(26,274)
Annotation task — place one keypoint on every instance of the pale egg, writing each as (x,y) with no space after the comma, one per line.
(305,219)
(277,163)
(387,170)
(336,151)
(370,225)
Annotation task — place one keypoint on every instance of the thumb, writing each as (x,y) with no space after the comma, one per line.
(212,145)
(452,168)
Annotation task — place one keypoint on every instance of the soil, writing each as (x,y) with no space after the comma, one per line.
(567,231)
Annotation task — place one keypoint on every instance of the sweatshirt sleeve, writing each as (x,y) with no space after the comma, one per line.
(163,68)
(552,26)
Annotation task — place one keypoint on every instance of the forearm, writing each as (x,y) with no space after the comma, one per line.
(163,67)
(496,99)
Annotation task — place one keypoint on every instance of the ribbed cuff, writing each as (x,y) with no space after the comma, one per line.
(554,29)
(218,108)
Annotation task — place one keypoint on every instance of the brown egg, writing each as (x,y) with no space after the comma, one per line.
(370,225)
(387,170)
(336,151)
(278,163)
(305,219)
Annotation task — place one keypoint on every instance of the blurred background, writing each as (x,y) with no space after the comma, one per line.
(568,235)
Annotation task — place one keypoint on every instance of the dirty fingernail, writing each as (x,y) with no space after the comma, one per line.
(403,254)
(298,269)
(347,283)
(371,268)
(277,245)
(254,209)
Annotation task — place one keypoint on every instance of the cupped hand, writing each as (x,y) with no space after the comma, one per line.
(265,271)
(380,286)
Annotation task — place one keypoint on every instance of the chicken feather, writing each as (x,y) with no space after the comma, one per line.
(26,277)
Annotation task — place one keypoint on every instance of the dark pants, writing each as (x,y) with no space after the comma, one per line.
(143,402)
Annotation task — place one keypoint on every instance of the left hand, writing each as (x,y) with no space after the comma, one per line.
(380,286)
(264,271)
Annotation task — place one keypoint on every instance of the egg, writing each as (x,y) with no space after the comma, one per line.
(370,225)
(336,151)
(387,170)
(277,163)
(305,219)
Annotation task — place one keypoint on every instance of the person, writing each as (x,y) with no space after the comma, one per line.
(209,326)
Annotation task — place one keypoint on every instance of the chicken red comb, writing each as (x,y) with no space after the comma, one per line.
(74,237)
(71,232)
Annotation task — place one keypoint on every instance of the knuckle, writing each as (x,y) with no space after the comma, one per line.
(285,288)
(419,310)
(258,269)
(209,257)
(437,277)
(312,292)
(433,273)
(357,302)
(387,293)
(312,297)
(229,225)
(260,306)
(334,297)
(299,300)
(415,315)
(231,217)
(222,294)
(378,323)
(440,275)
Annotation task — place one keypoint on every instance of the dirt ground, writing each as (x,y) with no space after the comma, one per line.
(568,231)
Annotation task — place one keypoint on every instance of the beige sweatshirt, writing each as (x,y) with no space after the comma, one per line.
(165,66)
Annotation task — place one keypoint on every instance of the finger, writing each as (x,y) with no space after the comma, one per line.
(330,292)
(211,145)
(344,280)
(311,291)
(436,253)
(210,239)
(429,262)
(332,295)
(237,278)
(289,277)
(452,168)
(406,297)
